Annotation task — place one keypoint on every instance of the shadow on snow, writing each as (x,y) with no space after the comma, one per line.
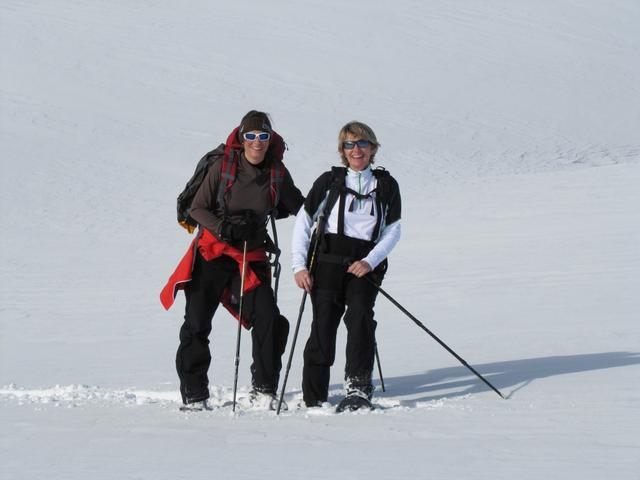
(503,375)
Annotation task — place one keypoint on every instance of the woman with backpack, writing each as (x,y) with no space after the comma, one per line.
(357,210)
(245,183)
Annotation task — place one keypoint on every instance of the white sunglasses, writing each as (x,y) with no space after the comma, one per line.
(262,136)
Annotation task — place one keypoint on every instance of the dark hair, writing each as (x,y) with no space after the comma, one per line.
(255,120)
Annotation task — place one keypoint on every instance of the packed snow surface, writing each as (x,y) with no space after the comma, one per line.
(512,129)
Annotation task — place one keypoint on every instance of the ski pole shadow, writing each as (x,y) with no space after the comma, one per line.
(509,377)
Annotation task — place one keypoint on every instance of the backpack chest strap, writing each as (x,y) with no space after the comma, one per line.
(342,208)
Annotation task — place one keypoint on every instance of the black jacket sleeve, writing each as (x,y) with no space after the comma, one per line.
(291,198)
(317,193)
(394,210)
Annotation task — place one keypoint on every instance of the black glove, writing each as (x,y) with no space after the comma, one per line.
(245,230)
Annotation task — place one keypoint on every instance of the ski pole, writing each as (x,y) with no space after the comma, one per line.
(237,363)
(375,345)
(293,345)
(319,229)
(446,347)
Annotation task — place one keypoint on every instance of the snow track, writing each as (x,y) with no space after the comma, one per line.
(85,396)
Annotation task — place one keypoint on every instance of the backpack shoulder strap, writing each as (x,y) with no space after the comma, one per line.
(228,171)
(336,191)
(383,177)
(336,187)
(277,179)
(383,198)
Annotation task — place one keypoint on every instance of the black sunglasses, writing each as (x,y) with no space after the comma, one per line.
(349,145)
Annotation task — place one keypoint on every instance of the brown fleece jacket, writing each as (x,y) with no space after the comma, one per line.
(250,191)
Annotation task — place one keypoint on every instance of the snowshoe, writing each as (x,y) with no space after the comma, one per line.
(196,406)
(259,400)
(351,403)
(283,408)
(359,392)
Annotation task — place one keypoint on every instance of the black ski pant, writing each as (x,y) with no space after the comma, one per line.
(268,333)
(358,296)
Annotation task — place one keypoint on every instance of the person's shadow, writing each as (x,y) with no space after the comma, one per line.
(459,381)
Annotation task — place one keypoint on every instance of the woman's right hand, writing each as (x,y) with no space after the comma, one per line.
(303,280)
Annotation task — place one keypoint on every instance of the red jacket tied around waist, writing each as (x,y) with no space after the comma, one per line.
(210,248)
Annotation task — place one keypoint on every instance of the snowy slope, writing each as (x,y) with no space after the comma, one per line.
(512,128)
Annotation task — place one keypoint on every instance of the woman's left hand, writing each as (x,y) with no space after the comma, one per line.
(359,268)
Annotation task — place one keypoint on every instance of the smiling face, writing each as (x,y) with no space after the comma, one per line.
(255,150)
(358,157)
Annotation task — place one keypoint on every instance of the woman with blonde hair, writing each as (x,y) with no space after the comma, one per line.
(358,209)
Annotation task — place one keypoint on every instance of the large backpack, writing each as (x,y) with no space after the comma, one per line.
(186,196)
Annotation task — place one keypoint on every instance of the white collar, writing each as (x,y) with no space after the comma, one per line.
(365,174)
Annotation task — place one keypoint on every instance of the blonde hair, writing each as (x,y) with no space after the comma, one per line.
(360,130)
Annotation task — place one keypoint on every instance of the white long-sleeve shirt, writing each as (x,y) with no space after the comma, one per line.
(359,222)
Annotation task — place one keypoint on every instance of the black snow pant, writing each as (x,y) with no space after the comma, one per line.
(334,291)
(269,329)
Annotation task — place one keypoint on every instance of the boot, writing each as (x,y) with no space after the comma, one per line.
(358,395)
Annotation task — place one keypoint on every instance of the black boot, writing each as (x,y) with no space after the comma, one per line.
(359,392)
